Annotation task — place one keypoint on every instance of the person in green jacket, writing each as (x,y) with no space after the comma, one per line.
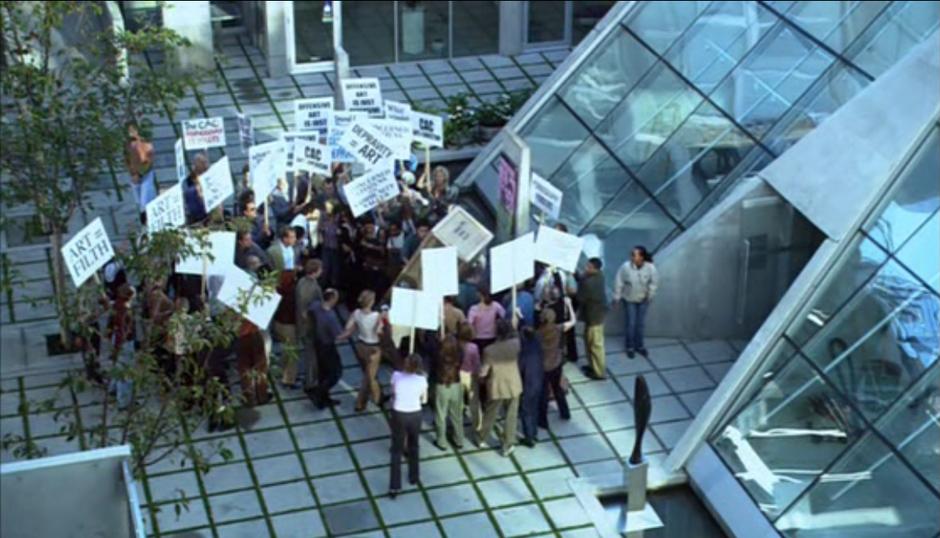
(592,301)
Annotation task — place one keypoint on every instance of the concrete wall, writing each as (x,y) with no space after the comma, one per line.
(192,20)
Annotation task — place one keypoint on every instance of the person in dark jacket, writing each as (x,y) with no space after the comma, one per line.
(533,381)
(592,300)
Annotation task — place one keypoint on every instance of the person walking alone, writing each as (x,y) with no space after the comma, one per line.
(592,298)
(635,285)
(409,392)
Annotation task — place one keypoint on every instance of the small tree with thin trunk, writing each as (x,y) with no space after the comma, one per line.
(68,92)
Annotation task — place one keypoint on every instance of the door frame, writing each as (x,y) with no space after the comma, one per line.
(310,67)
(541,45)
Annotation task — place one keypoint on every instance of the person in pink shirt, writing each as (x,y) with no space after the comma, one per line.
(483,317)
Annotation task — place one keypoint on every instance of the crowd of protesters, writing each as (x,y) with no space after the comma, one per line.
(495,357)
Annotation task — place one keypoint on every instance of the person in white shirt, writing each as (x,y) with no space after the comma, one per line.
(636,284)
(367,326)
(409,392)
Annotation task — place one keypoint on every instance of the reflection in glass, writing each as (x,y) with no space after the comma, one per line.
(546,21)
(422,30)
(867,492)
(913,425)
(901,27)
(603,80)
(313,38)
(880,341)
(552,136)
(476,27)
(368,32)
(588,180)
(835,23)
(915,197)
(921,254)
(660,23)
(794,427)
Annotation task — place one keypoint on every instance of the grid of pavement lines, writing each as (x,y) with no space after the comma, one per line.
(298,471)
(241,85)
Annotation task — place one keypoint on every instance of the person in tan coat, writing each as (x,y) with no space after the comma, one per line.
(503,385)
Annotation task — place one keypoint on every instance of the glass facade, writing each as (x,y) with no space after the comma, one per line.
(681,99)
(841,435)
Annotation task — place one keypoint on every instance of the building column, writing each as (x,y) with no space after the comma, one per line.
(275,38)
(511,31)
(192,20)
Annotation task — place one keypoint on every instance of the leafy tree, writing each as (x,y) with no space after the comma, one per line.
(66,108)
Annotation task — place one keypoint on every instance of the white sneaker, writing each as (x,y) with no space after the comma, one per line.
(507,451)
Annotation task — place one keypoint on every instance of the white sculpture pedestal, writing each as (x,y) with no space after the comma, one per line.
(640,514)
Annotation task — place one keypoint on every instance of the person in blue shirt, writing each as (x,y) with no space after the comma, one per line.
(192,190)
(525,303)
(532,370)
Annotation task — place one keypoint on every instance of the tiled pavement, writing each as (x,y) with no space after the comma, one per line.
(298,471)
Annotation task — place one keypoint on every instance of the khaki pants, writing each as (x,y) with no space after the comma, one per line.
(594,345)
(471,388)
(512,418)
(369,359)
(287,336)
(448,402)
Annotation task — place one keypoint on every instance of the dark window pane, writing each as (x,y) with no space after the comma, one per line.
(546,21)
(313,38)
(585,16)
(476,28)
(422,30)
(369,32)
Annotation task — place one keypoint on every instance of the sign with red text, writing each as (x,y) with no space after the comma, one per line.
(87,251)
(204,133)
(363,95)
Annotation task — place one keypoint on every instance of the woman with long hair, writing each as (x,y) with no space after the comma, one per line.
(366,323)
(409,391)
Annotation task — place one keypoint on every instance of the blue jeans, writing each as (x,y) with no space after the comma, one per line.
(146,190)
(634,316)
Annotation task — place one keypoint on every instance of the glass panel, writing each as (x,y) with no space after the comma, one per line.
(369,32)
(778,358)
(586,15)
(833,89)
(857,266)
(836,24)
(546,21)
(868,492)
(476,28)
(649,114)
(588,180)
(552,136)
(783,439)
(914,198)
(753,162)
(880,341)
(771,78)
(922,253)
(606,77)
(694,159)
(422,31)
(660,23)
(898,30)
(913,428)
(313,38)
(717,40)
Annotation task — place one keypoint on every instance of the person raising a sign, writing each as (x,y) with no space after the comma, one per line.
(138,156)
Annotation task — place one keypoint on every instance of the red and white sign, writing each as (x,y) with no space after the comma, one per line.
(203,133)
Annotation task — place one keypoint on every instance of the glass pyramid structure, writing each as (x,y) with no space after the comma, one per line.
(829,422)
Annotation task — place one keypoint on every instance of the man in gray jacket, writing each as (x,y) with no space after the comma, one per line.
(635,285)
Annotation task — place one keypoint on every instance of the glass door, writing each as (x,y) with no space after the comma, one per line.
(311,34)
(547,24)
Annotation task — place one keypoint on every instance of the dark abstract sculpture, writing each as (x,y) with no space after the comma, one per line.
(642,407)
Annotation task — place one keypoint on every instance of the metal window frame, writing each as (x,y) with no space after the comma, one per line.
(325,66)
(544,45)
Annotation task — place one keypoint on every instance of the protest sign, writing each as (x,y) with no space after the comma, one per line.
(558,248)
(313,114)
(240,288)
(339,123)
(374,187)
(363,95)
(427,129)
(166,211)
(415,308)
(312,157)
(217,184)
(180,160)
(397,135)
(512,262)
(545,196)
(289,138)
(220,254)
(204,133)
(398,111)
(439,271)
(266,163)
(460,230)
(87,251)
(508,179)
(365,144)
(246,132)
